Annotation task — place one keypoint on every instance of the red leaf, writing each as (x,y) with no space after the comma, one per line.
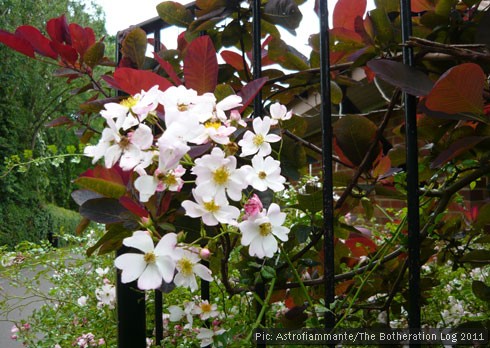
(67,53)
(17,43)
(235,60)
(250,90)
(201,65)
(133,81)
(421,6)
(168,69)
(458,90)
(58,30)
(360,246)
(82,38)
(133,207)
(342,34)
(346,12)
(38,41)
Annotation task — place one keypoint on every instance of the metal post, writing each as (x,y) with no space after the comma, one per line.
(327,161)
(412,180)
(131,316)
(131,309)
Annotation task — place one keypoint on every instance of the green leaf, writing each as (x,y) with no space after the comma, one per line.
(286,56)
(477,257)
(301,232)
(134,46)
(284,13)
(114,236)
(267,272)
(94,54)
(382,26)
(104,187)
(481,290)
(311,202)
(175,14)
(336,94)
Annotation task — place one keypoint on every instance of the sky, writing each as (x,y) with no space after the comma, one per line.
(120,14)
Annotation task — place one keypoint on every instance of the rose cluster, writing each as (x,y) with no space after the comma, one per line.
(153,134)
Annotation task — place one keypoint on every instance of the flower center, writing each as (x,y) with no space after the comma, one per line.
(211,206)
(185,266)
(168,179)
(129,102)
(205,307)
(150,257)
(221,175)
(262,175)
(124,142)
(212,124)
(258,140)
(182,107)
(265,229)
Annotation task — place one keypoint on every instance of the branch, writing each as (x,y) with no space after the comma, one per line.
(466,52)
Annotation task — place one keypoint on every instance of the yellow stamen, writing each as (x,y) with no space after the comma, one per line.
(129,102)
(212,124)
(258,140)
(150,257)
(262,175)
(221,175)
(185,266)
(211,206)
(265,229)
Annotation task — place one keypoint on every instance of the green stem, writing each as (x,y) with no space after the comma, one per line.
(262,310)
(302,286)
(379,255)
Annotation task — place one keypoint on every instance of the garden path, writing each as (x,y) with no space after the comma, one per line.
(23,302)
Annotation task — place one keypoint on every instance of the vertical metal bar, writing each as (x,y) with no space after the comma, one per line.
(327,161)
(412,180)
(158,317)
(257,73)
(257,54)
(131,316)
(131,309)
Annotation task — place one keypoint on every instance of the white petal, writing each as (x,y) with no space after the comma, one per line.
(132,266)
(142,137)
(166,245)
(140,240)
(203,272)
(146,185)
(112,155)
(269,244)
(151,278)
(167,268)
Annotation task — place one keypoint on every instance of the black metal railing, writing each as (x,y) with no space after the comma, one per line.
(131,302)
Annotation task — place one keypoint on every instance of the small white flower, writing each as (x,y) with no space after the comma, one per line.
(106,295)
(212,211)
(279,113)
(82,301)
(261,230)
(217,174)
(149,268)
(206,335)
(258,141)
(188,267)
(265,173)
(205,310)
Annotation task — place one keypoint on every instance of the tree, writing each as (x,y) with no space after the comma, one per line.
(25,112)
